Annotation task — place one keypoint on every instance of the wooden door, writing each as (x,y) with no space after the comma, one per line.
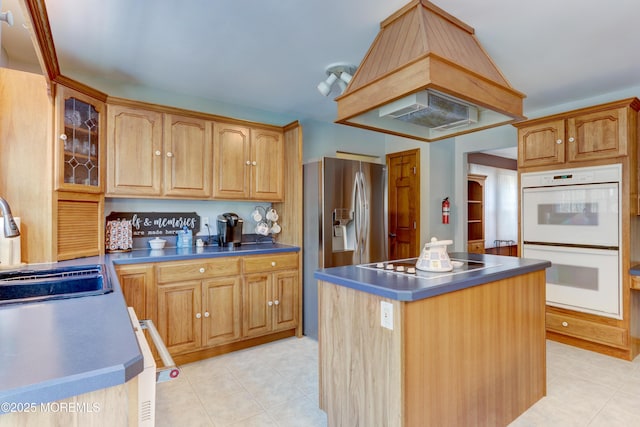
(180,316)
(598,135)
(222,310)
(267,165)
(134,152)
(404,203)
(542,144)
(187,157)
(231,152)
(256,310)
(285,315)
(80,225)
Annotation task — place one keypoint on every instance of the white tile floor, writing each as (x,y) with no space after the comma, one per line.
(277,385)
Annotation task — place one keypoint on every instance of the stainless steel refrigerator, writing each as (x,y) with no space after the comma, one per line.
(345,218)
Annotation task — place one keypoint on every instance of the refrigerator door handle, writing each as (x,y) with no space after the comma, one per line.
(364,210)
(357,211)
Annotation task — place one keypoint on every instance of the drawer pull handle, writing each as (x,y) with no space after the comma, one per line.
(206,314)
(248,162)
(571,139)
(169,154)
(201,270)
(270,303)
(198,315)
(158,152)
(565,324)
(276,302)
(63,136)
(273,263)
(559,141)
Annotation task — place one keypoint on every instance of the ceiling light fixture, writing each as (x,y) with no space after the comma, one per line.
(340,73)
(7,17)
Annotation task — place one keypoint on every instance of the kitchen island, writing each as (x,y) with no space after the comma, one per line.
(442,349)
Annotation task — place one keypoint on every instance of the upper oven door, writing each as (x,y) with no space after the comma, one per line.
(583,215)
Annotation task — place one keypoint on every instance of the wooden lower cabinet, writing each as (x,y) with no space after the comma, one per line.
(211,306)
(270,302)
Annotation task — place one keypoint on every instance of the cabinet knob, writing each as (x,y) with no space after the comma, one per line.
(254,163)
(269,303)
(63,137)
(198,315)
(206,314)
(571,139)
(273,263)
(201,270)
(248,163)
(565,324)
(559,141)
(169,154)
(276,302)
(157,153)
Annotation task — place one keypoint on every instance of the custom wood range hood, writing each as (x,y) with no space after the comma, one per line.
(427,77)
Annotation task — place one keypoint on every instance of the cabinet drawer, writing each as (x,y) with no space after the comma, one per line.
(263,263)
(585,329)
(475,247)
(198,269)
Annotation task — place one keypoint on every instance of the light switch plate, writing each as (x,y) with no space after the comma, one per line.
(386,315)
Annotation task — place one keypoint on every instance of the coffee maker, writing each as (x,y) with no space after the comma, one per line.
(229,230)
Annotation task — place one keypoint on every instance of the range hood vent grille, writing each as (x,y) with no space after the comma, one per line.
(438,112)
(421,50)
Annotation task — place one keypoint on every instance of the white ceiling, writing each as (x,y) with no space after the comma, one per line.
(271,54)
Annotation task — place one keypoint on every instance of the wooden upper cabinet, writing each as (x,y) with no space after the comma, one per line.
(541,144)
(79,123)
(267,165)
(187,156)
(595,133)
(134,154)
(230,153)
(248,163)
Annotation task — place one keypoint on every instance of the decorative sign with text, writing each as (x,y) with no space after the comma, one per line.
(151,224)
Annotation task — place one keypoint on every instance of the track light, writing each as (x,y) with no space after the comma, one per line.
(337,73)
(7,17)
(325,87)
(345,77)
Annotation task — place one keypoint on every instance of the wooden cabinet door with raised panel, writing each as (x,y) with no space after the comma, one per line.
(187,156)
(257,305)
(180,316)
(136,282)
(598,135)
(134,152)
(222,307)
(286,284)
(231,152)
(267,165)
(541,144)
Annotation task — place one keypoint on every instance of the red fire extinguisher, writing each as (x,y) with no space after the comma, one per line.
(445,210)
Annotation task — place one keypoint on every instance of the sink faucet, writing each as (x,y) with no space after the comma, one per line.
(10,226)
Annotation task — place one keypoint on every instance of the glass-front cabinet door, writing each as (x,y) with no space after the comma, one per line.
(80,121)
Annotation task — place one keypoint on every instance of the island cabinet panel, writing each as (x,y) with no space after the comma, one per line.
(473,357)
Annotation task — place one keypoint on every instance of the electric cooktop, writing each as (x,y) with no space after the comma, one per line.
(407,267)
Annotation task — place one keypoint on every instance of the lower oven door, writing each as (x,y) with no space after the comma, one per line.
(581,279)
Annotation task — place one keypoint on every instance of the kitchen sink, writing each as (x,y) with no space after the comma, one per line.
(32,285)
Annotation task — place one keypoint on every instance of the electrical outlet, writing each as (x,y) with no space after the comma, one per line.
(386,314)
(204,221)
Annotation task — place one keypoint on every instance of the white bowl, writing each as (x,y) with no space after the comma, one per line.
(457,264)
(157,243)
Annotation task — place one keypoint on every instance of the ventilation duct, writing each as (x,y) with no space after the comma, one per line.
(427,77)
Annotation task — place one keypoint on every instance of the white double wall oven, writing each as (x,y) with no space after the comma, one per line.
(572,218)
